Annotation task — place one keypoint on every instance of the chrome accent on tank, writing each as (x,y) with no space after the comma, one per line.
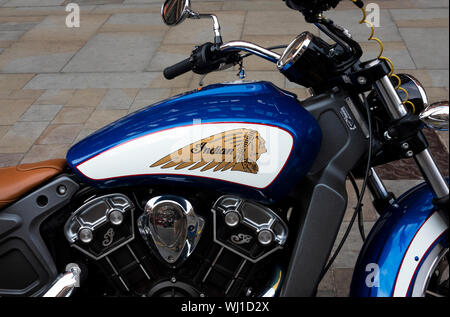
(170,225)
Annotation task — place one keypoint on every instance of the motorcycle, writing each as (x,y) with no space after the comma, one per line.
(237,189)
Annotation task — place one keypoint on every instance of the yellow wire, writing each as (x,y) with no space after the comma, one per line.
(380,56)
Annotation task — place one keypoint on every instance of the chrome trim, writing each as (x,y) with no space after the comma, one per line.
(216,24)
(228,203)
(432,174)
(435,116)
(420,88)
(184,14)
(392,101)
(251,48)
(427,269)
(65,284)
(376,185)
(275,284)
(299,44)
(86,217)
(170,225)
(424,160)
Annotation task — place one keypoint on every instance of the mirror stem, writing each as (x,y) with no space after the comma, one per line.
(216,25)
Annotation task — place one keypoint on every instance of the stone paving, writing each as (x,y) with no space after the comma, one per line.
(59,84)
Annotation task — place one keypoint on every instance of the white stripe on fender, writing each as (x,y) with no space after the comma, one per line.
(432,229)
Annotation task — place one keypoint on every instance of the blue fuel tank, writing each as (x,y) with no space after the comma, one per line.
(250,138)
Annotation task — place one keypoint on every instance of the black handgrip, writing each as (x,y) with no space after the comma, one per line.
(179,68)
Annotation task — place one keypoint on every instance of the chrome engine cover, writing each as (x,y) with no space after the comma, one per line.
(246,228)
(101,225)
(170,225)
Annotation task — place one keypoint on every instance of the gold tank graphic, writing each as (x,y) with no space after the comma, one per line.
(235,150)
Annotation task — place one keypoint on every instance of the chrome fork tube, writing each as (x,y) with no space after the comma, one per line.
(376,186)
(423,159)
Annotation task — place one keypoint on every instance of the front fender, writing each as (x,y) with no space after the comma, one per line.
(398,244)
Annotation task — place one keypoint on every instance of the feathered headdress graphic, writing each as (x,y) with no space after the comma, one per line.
(236,150)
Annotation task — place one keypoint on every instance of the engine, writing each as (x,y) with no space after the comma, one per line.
(168,248)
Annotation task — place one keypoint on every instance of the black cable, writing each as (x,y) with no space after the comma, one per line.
(360,213)
(361,196)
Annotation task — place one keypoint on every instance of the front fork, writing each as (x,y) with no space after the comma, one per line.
(423,159)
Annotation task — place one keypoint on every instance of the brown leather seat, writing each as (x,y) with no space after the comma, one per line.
(18,180)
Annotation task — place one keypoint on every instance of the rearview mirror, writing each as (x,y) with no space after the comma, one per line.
(174,12)
(436,116)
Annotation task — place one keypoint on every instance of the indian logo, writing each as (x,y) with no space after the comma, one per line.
(235,150)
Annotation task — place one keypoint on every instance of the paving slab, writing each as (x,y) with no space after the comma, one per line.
(92,80)
(167,55)
(53,28)
(100,118)
(14,81)
(60,134)
(431,3)
(439,77)
(55,97)
(10,159)
(200,31)
(92,2)
(387,31)
(117,99)
(12,110)
(37,56)
(10,35)
(70,115)
(149,96)
(349,253)
(426,18)
(114,52)
(25,94)
(86,97)
(34,3)
(136,22)
(276,23)
(21,137)
(40,152)
(422,46)
(130,8)
(41,113)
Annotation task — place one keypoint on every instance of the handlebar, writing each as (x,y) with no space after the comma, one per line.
(178,69)
(209,57)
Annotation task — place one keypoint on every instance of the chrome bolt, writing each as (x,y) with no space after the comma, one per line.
(405,146)
(232,219)
(173,280)
(202,295)
(362,80)
(116,217)
(85,235)
(249,291)
(62,190)
(265,237)
(409,153)
(387,136)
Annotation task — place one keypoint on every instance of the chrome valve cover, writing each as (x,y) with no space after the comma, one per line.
(246,228)
(170,226)
(101,226)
